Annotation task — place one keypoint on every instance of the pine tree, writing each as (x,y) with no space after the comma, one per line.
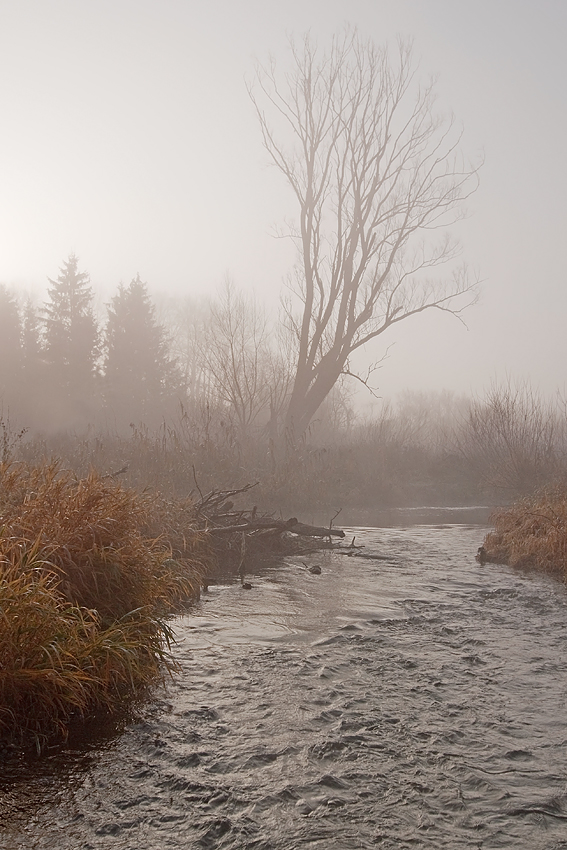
(71,344)
(10,349)
(31,339)
(35,389)
(140,379)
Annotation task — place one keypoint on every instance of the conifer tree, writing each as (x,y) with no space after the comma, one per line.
(140,379)
(71,344)
(31,339)
(10,348)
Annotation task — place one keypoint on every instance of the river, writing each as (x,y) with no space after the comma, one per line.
(407,698)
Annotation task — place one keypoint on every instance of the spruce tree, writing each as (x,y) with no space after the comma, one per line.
(140,379)
(35,389)
(71,345)
(10,349)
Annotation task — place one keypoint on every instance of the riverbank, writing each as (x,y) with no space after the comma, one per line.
(89,573)
(531,533)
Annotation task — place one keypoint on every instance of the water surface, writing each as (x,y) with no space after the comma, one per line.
(417,701)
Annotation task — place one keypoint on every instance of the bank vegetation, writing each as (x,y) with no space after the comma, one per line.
(531,533)
(89,573)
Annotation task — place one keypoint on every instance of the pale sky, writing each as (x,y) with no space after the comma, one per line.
(128,138)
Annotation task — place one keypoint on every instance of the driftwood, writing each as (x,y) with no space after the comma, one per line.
(366,556)
(314,530)
(270,524)
(237,536)
(250,525)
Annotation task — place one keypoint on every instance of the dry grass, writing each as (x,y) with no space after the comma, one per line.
(88,571)
(532,533)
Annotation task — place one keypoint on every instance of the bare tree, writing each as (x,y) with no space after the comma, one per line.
(186,320)
(374,171)
(236,356)
(513,438)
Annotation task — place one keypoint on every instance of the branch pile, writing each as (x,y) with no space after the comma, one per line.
(236,533)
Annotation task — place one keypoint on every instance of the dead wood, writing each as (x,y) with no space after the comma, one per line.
(237,536)
(315,531)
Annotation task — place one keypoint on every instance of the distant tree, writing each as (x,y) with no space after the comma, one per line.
(140,379)
(186,320)
(374,171)
(31,340)
(10,348)
(514,439)
(236,357)
(72,344)
(35,390)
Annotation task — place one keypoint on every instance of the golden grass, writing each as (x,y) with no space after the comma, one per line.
(532,533)
(88,572)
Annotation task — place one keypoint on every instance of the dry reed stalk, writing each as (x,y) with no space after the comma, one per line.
(95,535)
(84,591)
(532,533)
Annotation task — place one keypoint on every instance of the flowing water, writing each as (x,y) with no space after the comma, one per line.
(416,701)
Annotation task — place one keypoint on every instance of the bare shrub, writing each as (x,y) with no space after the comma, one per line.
(514,439)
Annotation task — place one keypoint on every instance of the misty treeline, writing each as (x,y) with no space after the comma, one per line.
(378,181)
(62,368)
(187,395)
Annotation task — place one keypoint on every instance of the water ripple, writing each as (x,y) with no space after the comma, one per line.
(413,702)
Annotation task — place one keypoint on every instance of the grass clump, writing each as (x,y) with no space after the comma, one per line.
(531,533)
(89,572)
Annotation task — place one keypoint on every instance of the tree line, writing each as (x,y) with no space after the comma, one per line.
(219,390)
(61,371)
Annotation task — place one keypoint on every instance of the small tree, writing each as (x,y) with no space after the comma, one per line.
(236,356)
(186,320)
(31,342)
(140,380)
(374,171)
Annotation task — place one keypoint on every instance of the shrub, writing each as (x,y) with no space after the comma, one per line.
(531,533)
(88,572)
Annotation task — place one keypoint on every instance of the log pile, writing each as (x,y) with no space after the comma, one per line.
(238,533)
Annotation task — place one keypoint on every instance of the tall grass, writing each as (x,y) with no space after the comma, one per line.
(532,533)
(89,571)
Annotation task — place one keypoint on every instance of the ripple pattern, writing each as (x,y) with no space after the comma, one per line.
(417,701)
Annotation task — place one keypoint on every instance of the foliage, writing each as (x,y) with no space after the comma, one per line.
(531,533)
(139,376)
(71,336)
(404,455)
(88,572)
(516,440)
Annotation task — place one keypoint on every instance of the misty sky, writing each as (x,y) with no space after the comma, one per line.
(128,138)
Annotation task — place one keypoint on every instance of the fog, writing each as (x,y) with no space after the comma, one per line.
(128,138)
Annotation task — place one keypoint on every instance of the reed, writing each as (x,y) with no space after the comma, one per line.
(89,572)
(532,533)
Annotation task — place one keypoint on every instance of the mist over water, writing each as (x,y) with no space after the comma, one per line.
(417,700)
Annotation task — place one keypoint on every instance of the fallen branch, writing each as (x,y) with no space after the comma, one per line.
(350,554)
(315,531)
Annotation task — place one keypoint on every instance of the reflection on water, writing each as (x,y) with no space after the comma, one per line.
(417,701)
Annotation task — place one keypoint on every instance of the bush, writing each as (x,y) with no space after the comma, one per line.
(531,533)
(88,572)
